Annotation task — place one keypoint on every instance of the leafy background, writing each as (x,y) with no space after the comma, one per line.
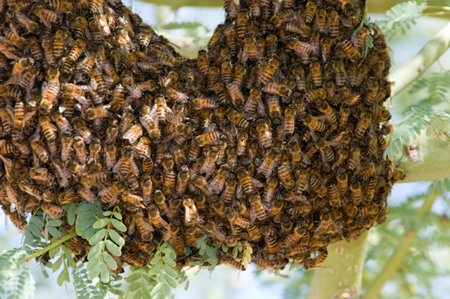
(425,271)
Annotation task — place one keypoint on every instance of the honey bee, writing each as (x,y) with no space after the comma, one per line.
(350,51)
(135,200)
(236,118)
(326,151)
(258,211)
(238,76)
(264,134)
(52,210)
(310,11)
(94,151)
(357,194)
(40,151)
(202,62)
(321,19)
(241,25)
(126,163)
(50,90)
(80,150)
(110,156)
(191,213)
(276,89)
(176,95)
(46,16)
(362,125)
(156,218)
(133,134)
(372,94)
(313,123)
(268,164)
(208,138)
(81,129)
(217,183)
(59,43)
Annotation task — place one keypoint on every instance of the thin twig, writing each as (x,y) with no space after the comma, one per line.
(49,247)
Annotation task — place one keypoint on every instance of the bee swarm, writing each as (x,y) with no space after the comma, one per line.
(272,136)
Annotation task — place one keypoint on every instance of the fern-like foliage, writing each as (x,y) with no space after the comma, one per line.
(416,121)
(207,252)
(16,281)
(402,16)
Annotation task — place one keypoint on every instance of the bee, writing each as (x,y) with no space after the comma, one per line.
(41,175)
(268,164)
(246,180)
(202,62)
(315,94)
(110,156)
(300,78)
(126,163)
(329,112)
(210,161)
(59,43)
(229,193)
(191,213)
(285,176)
(350,50)
(52,210)
(46,16)
(289,120)
(208,138)
(357,194)
(98,81)
(238,76)
(321,19)
(133,134)
(326,151)
(94,150)
(276,89)
(156,218)
(362,125)
(50,90)
(313,123)
(81,129)
(264,134)
(135,200)
(258,211)
(253,101)
(97,112)
(40,151)
(241,25)
(226,71)
(237,118)
(372,94)
(217,183)
(35,48)
(310,11)
(80,150)
(169,182)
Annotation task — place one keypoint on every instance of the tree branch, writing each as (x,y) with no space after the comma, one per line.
(341,273)
(49,247)
(432,165)
(411,71)
(399,253)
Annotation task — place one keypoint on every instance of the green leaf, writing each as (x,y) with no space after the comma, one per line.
(113,248)
(107,213)
(133,277)
(104,273)
(170,271)
(439,187)
(52,253)
(100,223)
(54,223)
(156,289)
(71,211)
(37,221)
(118,225)
(57,264)
(169,262)
(118,215)
(155,260)
(54,232)
(166,250)
(97,237)
(61,277)
(96,249)
(110,262)
(94,270)
(113,235)
(170,281)
(155,269)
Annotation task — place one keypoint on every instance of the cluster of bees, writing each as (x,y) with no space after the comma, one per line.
(272,136)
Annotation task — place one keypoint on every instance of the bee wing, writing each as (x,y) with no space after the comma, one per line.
(239,190)
(169,137)
(257,183)
(267,205)
(104,191)
(210,128)
(244,54)
(10,111)
(154,115)
(134,168)
(261,110)
(117,165)
(252,214)
(6,40)
(164,223)
(212,183)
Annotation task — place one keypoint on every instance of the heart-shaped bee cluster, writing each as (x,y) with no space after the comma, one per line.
(271,137)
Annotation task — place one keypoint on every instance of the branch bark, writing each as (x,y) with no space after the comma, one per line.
(340,275)
(399,253)
(410,72)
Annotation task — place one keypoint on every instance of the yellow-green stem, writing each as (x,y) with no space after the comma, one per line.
(49,247)
(399,253)
(411,71)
